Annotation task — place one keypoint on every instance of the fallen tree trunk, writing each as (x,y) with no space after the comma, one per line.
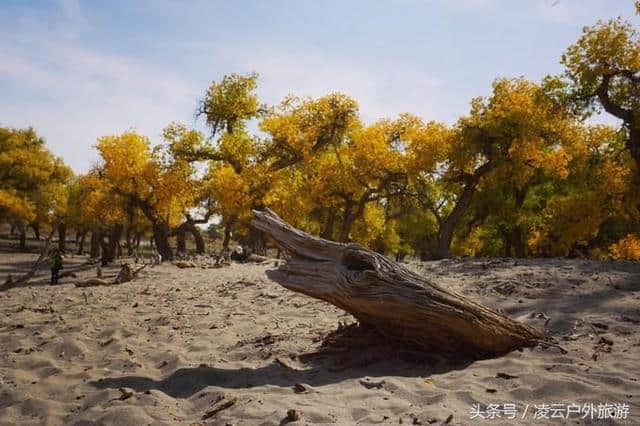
(24,280)
(397,302)
(93,282)
(125,275)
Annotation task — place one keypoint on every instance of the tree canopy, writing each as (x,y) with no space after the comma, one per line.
(524,173)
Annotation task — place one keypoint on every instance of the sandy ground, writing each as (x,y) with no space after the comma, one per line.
(228,346)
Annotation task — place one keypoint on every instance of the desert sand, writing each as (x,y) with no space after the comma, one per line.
(228,346)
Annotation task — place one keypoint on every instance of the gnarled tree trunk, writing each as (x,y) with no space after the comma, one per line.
(189,226)
(111,245)
(449,224)
(256,242)
(385,295)
(161,238)
(197,238)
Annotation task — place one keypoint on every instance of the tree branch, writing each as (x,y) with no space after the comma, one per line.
(607,103)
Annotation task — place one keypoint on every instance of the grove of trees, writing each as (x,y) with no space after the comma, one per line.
(524,173)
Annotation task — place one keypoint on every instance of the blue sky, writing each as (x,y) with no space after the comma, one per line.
(76,70)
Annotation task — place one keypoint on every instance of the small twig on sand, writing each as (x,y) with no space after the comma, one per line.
(219,406)
(372,385)
(552,345)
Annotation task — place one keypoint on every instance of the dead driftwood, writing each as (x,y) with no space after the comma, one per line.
(125,274)
(93,282)
(24,280)
(182,264)
(398,303)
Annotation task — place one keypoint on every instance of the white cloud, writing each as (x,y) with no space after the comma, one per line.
(72,95)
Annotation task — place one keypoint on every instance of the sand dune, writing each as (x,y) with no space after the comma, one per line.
(228,346)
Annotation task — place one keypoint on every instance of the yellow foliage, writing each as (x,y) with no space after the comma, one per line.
(301,127)
(231,192)
(372,225)
(126,160)
(228,103)
(469,246)
(290,194)
(93,203)
(163,184)
(428,144)
(565,228)
(32,180)
(602,186)
(608,48)
(16,206)
(627,248)
(519,167)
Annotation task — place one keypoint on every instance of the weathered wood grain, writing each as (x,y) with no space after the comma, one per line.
(398,302)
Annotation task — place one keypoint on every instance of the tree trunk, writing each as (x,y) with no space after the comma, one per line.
(448,225)
(80,240)
(257,242)
(110,246)
(181,242)
(227,234)
(446,236)
(197,237)
(62,237)
(507,242)
(633,143)
(517,233)
(161,238)
(23,239)
(36,230)
(347,221)
(96,236)
(518,241)
(397,302)
(327,232)
(128,242)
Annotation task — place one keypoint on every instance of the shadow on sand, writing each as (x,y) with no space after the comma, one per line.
(347,353)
